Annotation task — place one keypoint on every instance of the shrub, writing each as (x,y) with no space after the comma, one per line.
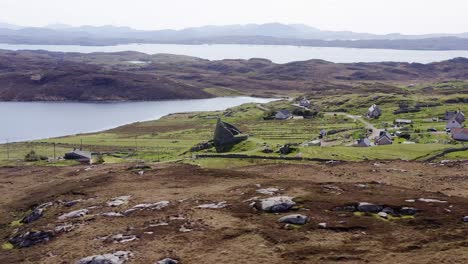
(32,156)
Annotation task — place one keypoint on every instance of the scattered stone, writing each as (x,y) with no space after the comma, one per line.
(118,201)
(333,188)
(159,224)
(322,225)
(219,205)
(428,200)
(72,203)
(74,214)
(410,201)
(167,261)
(118,257)
(296,219)
(120,238)
(383,215)
(183,229)
(141,173)
(360,185)
(346,208)
(112,214)
(63,228)
(465,219)
(408,211)
(369,207)
(139,167)
(29,239)
(389,210)
(33,216)
(152,206)
(276,204)
(268,191)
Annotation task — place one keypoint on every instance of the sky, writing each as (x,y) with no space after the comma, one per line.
(373,16)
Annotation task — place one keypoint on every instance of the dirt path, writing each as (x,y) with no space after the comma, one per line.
(375,131)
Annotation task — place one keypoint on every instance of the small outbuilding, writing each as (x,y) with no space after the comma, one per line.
(460,134)
(304,103)
(384,138)
(79,155)
(226,136)
(363,142)
(458,116)
(283,114)
(451,124)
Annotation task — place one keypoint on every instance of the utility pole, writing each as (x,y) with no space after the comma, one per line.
(81,144)
(54,152)
(8,150)
(136,144)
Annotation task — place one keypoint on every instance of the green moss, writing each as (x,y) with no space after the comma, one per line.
(16,223)
(7,246)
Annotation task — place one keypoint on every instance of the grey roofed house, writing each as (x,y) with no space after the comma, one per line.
(226,136)
(460,134)
(363,142)
(79,155)
(458,115)
(452,123)
(384,138)
(283,114)
(374,112)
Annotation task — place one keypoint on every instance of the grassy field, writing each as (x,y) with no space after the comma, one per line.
(171,137)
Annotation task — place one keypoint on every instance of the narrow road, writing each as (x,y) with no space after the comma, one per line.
(375,131)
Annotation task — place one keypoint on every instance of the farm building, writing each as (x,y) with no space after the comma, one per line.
(460,134)
(374,112)
(458,116)
(384,138)
(283,115)
(79,155)
(402,122)
(304,103)
(226,136)
(363,142)
(451,124)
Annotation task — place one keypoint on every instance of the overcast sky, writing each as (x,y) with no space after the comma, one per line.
(374,16)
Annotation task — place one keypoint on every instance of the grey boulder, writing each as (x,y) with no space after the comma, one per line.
(276,204)
(369,207)
(118,257)
(295,219)
(167,261)
(29,239)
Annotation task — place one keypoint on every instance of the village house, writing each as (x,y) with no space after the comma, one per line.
(79,155)
(374,112)
(226,136)
(363,142)
(460,134)
(451,124)
(283,115)
(458,116)
(384,138)
(304,103)
(402,122)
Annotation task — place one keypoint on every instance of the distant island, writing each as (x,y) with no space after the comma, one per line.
(252,34)
(134,76)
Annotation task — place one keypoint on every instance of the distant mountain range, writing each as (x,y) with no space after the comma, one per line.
(268,34)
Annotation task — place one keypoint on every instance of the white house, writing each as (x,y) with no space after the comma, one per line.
(374,112)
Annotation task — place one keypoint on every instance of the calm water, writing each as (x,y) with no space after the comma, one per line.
(278,54)
(22,121)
